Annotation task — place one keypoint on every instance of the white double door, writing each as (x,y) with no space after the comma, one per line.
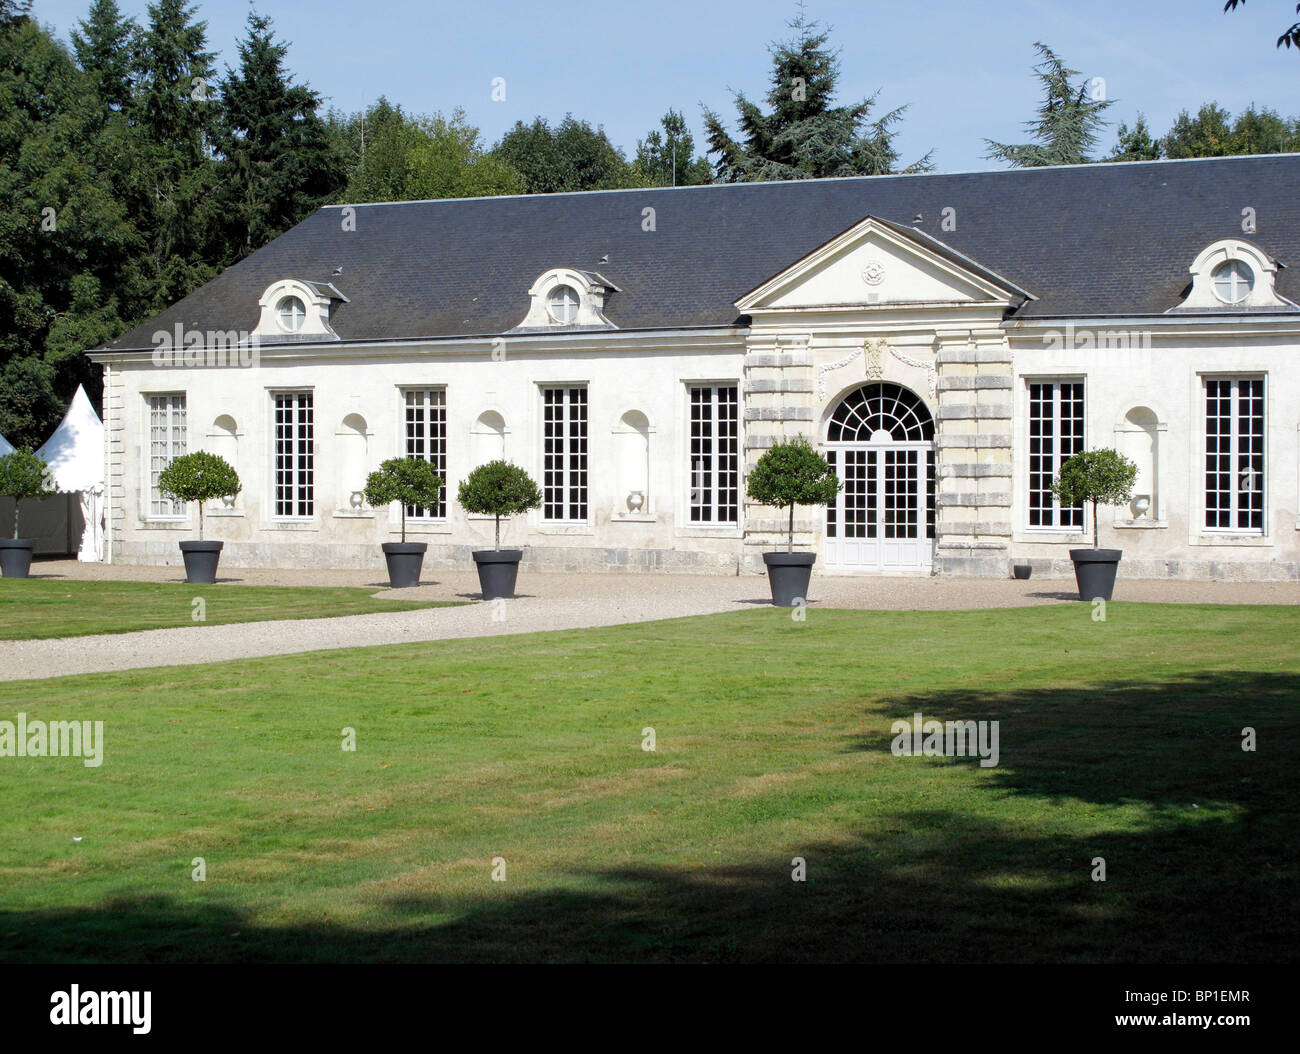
(881,519)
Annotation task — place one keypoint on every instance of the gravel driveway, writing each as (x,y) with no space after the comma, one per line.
(545,602)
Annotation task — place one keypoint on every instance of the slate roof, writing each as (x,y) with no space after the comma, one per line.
(1085,240)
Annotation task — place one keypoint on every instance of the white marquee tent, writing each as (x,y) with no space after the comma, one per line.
(73,520)
(5,447)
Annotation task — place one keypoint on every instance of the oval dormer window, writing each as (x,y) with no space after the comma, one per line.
(563,304)
(292,314)
(1233,281)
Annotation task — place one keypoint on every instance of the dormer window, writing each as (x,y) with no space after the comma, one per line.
(296,309)
(566,296)
(292,314)
(563,304)
(1233,273)
(1233,281)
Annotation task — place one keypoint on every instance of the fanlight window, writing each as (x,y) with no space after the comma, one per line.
(1233,281)
(292,313)
(877,408)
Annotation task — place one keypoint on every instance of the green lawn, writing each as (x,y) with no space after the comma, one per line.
(32,608)
(1119,739)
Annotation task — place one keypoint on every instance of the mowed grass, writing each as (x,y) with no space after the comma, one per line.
(1119,740)
(39,608)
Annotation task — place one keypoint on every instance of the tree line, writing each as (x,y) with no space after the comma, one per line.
(132,170)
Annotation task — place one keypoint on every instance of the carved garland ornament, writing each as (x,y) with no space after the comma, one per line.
(875,365)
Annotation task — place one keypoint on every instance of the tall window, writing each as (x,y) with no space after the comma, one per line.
(715,458)
(1234,454)
(426,439)
(295,468)
(1055,435)
(166,441)
(564,453)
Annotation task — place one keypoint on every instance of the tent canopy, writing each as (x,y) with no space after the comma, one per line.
(75,453)
(5,447)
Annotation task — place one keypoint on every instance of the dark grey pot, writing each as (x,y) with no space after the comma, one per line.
(1094,571)
(404,562)
(201,560)
(497,571)
(789,574)
(15,557)
(1022,571)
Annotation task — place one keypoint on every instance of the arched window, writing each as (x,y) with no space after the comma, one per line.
(873,409)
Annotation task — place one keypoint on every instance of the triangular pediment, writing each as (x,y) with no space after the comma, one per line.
(877,264)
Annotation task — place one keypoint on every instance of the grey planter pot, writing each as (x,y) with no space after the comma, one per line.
(788,574)
(497,571)
(405,559)
(201,560)
(1094,571)
(1021,571)
(16,557)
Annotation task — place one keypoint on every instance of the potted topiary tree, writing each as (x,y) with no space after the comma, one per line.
(1102,477)
(791,473)
(498,489)
(200,477)
(22,475)
(408,481)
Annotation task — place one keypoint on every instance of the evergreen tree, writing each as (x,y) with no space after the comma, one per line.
(278,163)
(669,160)
(64,230)
(104,49)
(572,156)
(1068,122)
(804,136)
(1137,144)
(174,112)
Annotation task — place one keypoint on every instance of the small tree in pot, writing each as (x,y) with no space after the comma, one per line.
(498,489)
(408,481)
(23,475)
(791,473)
(1102,477)
(200,477)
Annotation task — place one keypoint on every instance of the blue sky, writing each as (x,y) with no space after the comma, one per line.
(963,68)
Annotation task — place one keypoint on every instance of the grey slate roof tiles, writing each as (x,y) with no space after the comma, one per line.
(1088,240)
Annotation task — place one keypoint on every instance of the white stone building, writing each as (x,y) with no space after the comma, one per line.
(946,340)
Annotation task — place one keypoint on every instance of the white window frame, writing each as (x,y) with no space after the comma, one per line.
(1055,383)
(1234,510)
(431,408)
(176,427)
(298,395)
(566,483)
(718,462)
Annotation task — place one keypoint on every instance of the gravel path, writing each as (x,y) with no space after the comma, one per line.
(545,602)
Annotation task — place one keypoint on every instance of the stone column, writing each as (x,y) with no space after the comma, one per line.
(777,392)
(973,455)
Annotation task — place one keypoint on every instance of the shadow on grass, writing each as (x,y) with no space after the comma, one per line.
(1201,864)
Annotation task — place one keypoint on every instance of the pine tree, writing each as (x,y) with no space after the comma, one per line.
(278,163)
(104,48)
(174,113)
(804,136)
(1068,122)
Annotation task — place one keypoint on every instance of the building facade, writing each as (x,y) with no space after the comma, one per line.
(946,341)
